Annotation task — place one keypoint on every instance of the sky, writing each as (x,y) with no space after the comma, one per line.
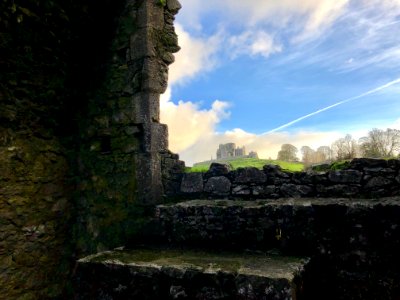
(261,73)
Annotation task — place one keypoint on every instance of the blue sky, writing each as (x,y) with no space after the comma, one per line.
(249,67)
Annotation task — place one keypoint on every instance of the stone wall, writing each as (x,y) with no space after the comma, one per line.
(361,178)
(81,148)
(35,214)
(353,244)
(35,173)
(123,147)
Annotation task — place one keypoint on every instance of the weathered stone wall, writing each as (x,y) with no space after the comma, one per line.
(353,244)
(35,211)
(35,185)
(81,146)
(122,142)
(361,178)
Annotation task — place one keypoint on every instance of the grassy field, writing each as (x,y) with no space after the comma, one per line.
(252,162)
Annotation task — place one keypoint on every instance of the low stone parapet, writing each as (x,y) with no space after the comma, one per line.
(362,178)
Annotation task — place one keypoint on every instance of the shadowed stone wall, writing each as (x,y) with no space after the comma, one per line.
(122,142)
(82,151)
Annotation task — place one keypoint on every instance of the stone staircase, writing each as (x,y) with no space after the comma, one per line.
(263,234)
(297,248)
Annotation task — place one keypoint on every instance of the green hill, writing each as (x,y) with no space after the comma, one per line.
(249,162)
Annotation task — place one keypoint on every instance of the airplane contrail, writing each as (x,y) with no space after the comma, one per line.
(334,105)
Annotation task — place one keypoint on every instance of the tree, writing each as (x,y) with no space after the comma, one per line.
(307,155)
(324,153)
(380,143)
(345,148)
(287,153)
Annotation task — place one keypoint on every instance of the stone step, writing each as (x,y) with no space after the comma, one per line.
(295,226)
(155,273)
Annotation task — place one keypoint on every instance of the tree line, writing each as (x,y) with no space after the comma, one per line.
(378,143)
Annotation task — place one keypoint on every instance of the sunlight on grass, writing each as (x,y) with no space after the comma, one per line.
(252,162)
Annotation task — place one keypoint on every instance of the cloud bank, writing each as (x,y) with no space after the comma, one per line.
(197,55)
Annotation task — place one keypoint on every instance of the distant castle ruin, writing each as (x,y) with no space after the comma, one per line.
(230,150)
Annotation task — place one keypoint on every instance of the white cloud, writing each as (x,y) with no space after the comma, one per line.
(306,18)
(253,43)
(191,13)
(188,123)
(366,36)
(196,55)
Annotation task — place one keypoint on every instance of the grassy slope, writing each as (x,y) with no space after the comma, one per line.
(253,162)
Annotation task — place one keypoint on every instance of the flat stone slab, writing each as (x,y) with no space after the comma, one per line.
(296,202)
(295,226)
(187,274)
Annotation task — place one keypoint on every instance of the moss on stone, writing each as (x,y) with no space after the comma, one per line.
(271,266)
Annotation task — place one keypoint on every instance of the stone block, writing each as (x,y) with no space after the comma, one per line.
(320,178)
(150,14)
(187,274)
(155,137)
(154,76)
(219,185)
(361,163)
(378,182)
(145,107)
(241,190)
(341,190)
(293,190)
(174,6)
(275,171)
(345,176)
(192,183)
(303,177)
(149,187)
(249,175)
(217,169)
(141,44)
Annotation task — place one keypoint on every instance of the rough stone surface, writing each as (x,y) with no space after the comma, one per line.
(378,182)
(192,183)
(174,5)
(219,185)
(296,226)
(249,175)
(360,163)
(35,215)
(293,190)
(81,147)
(217,169)
(275,170)
(371,178)
(187,274)
(345,176)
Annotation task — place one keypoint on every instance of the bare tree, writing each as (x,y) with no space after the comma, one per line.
(307,155)
(345,148)
(288,153)
(380,143)
(324,154)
